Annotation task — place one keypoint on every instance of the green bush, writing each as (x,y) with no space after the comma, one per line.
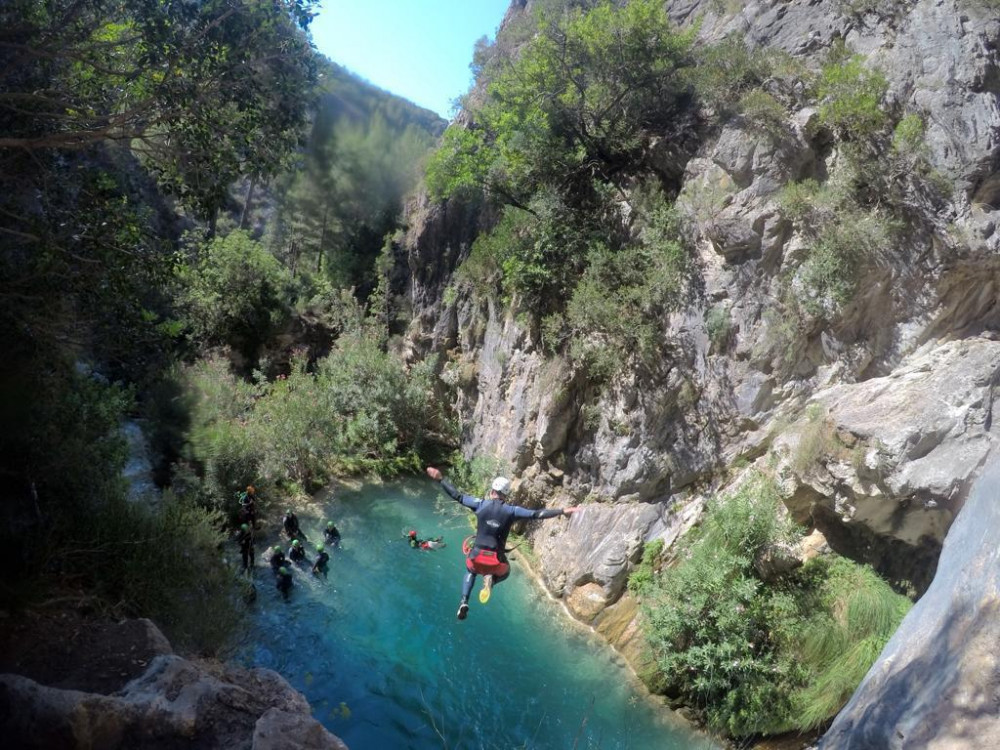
(234,293)
(641,578)
(851,97)
(163,562)
(719,325)
(755,657)
(859,612)
(727,70)
(838,258)
(580,97)
(846,240)
(615,312)
(358,411)
(765,113)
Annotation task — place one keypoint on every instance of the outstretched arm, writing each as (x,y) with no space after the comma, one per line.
(467,500)
(520,512)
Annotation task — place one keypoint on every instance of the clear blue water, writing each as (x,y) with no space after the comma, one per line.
(379,653)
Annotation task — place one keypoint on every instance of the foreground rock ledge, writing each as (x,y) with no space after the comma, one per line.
(176,702)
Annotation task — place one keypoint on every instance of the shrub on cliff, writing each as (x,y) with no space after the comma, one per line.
(754,656)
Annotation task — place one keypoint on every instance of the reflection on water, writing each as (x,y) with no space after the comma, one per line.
(377,650)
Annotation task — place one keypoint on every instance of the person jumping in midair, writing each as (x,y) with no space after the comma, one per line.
(494,517)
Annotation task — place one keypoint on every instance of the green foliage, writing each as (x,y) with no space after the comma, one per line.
(538,254)
(475,475)
(205,92)
(755,657)
(719,326)
(363,156)
(641,578)
(728,70)
(61,434)
(816,439)
(846,241)
(234,293)
(861,612)
(908,135)
(851,97)
(160,562)
(455,168)
(69,524)
(622,296)
(577,101)
(358,411)
(765,113)
(839,256)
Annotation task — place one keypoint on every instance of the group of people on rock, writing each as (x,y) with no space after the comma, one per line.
(281,562)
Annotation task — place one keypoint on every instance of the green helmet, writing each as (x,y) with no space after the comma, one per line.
(296,543)
(329,524)
(276,548)
(244,527)
(288,512)
(319,547)
(283,570)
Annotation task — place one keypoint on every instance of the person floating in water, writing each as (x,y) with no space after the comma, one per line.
(297,553)
(291,525)
(284,581)
(331,534)
(277,558)
(322,559)
(244,537)
(423,543)
(494,517)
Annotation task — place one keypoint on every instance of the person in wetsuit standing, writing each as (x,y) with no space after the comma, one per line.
(494,517)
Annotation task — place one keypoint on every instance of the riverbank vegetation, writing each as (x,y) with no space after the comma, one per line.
(751,641)
(193,206)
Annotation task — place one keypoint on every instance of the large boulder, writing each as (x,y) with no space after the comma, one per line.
(588,559)
(175,702)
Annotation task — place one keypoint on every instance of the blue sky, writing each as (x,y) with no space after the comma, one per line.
(418,49)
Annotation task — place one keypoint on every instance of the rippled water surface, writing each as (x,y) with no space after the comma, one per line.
(377,650)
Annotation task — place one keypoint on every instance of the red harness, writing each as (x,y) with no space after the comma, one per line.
(484,561)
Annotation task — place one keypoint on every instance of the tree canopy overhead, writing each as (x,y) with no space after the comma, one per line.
(578,102)
(206,91)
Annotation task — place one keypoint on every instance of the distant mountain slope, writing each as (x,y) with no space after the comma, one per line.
(332,210)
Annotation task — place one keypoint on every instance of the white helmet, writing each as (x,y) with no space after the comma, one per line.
(501,485)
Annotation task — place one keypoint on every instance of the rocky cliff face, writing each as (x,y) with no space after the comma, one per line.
(876,424)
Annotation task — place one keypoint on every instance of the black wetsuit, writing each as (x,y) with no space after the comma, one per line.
(248,510)
(245,540)
(277,560)
(284,583)
(291,524)
(320,565)
(296,553)
(331,535)
(493,521)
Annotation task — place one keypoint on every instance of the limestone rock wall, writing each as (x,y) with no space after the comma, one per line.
(876,426)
